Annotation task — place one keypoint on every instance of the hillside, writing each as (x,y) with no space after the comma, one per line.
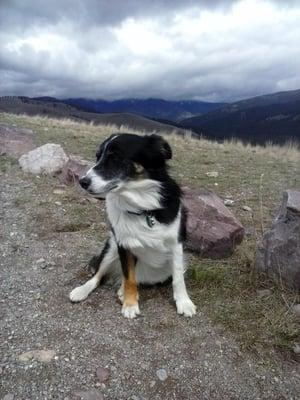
(274,117)
(152,108)
(240,344)
(53,108)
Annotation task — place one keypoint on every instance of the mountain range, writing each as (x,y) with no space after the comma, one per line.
(151,108)
(273,117)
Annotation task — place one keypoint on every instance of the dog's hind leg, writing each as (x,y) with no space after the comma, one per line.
(108,255)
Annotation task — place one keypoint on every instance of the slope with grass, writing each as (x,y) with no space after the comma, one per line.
(273,117)
(240,334)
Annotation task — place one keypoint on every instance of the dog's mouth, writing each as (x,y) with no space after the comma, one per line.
(101,195)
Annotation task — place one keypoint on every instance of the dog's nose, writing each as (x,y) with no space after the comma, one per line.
(85,182)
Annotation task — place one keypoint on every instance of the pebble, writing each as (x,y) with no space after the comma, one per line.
(296,310)
(38,355)
(9,396)
(40,261)
(162,374)
(296,348)
(247,208)
(212,174)
(228,202)
(92,394)
(102,374)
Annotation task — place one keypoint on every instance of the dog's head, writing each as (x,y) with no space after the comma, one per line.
(125,157)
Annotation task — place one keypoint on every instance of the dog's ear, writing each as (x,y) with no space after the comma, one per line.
(162,146)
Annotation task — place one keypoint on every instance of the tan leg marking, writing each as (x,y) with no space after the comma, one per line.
(130,287)
(130,307)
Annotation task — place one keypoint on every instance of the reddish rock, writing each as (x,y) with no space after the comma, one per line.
(278,253)
(102,374)
(212,230)
(73,170)
(16,141)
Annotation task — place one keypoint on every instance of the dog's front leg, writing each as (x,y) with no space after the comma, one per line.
(130,308)
(184,304)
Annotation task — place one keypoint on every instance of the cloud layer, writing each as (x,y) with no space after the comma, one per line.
(219,51)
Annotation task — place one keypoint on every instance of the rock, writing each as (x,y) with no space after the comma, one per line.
(212,230)
(9,396)
(212,174)
(247,208)
(296,310)
(16,141)
(92,394)
(48,159)
(102,374)
(296,348)
(38,355)
(162,374)
(73,170)
(278,254)
(228,202)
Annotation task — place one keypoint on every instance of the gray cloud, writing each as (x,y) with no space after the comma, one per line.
(211,50)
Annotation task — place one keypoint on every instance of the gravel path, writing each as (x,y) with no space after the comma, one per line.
(91,351)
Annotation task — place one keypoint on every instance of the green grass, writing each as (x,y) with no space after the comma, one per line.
(225,290)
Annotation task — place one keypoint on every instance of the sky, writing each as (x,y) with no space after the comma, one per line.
(173,49)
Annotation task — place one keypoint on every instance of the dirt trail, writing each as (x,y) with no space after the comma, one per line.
(37,273)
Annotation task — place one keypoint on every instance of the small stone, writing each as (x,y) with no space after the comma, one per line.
(58,191)
(247,208)
(9,396)
(296,310)
(40,261)
(152,384)
(102,374)
(58,203)
(296,348)
(162,374)
(38,355)
(92,394)
(212,174)
(228,202)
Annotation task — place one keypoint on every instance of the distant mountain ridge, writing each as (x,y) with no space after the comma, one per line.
(273,117)
(55,108)
(158,109)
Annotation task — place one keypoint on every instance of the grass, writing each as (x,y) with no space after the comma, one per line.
(227,291)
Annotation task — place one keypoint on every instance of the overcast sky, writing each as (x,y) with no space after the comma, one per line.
(173,49)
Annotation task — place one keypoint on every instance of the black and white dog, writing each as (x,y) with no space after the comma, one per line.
(147,219)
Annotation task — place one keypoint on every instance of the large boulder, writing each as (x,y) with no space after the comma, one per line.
(278,254)
(212,230)
(47,159)
(16,141)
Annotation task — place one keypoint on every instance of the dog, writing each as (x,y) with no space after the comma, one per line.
(146,217)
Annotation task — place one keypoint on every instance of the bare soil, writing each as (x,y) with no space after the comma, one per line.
(44,248)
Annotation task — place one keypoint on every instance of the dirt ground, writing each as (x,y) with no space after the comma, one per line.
(158,356)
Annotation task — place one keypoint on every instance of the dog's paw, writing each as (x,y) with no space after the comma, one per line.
(131,311)
(186,307)
(78,294)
